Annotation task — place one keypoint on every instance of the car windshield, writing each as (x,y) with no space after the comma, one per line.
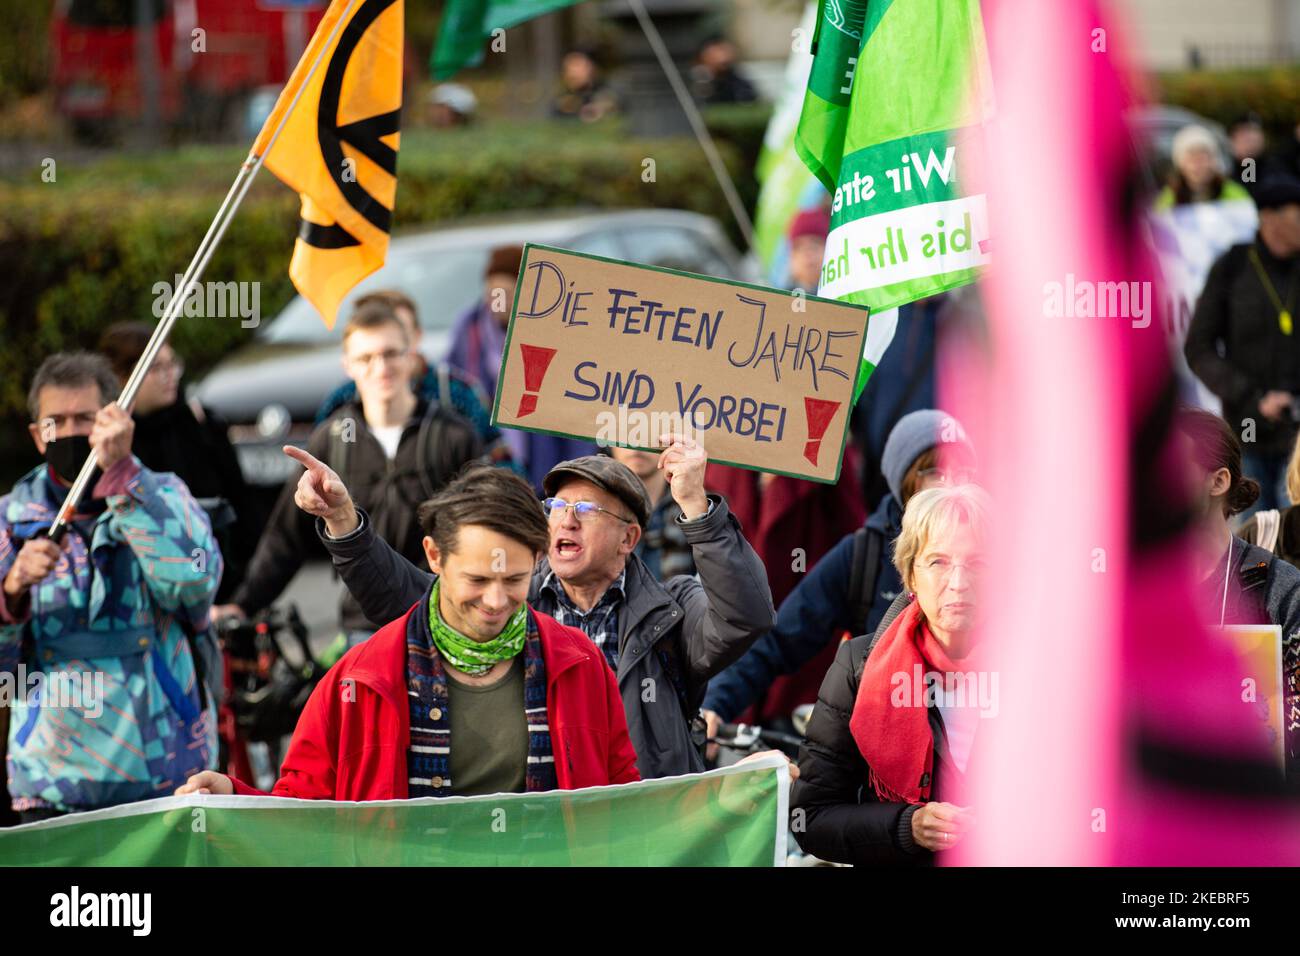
(443,284)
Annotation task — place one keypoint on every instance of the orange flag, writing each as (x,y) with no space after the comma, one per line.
(341,111)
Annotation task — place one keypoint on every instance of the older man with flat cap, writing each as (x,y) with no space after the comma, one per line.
(664,640)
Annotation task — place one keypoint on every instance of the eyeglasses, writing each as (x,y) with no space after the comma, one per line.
(948,476)
(584,510)
(940,568)
(387,356)
(167,369)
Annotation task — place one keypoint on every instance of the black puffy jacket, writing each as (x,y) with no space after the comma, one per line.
(835,814)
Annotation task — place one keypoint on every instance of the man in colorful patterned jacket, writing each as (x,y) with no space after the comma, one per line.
(97,633)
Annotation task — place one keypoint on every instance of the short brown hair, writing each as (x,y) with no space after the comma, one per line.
(73,370)
(393,298)
(912,477)
(1215,446)
(122,344)
(504,261)
(373,315)
(490,497)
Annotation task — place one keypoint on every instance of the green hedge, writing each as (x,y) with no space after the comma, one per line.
(86,250)
(1223,96)
(24,48)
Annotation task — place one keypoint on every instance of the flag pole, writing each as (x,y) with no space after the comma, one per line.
(697,122)
(202,255)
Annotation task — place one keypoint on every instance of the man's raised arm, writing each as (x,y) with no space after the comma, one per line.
(383,582)
(730,605)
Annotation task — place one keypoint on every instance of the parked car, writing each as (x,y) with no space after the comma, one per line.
(269,390)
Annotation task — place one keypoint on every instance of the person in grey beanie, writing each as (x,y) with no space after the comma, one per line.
(854,585)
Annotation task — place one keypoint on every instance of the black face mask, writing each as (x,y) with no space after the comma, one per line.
(67,456)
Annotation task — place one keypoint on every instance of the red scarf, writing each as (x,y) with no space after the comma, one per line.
(896,741)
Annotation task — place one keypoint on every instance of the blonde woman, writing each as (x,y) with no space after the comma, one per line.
(883,756)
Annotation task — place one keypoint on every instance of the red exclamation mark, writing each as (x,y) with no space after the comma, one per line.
(819,412)
(536,361)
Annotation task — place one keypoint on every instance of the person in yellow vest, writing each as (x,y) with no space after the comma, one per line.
(1198,174)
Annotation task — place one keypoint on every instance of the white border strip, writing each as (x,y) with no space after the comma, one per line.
(782,811)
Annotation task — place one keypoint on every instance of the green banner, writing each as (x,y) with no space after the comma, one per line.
(898,90)
(730,817)
(468,24)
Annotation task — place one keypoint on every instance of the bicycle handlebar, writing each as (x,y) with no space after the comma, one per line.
(746,735)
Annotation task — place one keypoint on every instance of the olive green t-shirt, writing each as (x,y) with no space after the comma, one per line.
(489,735)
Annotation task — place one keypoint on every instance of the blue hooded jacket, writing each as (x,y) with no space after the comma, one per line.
(816,611)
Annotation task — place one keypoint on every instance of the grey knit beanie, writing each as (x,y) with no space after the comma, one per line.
(911,436)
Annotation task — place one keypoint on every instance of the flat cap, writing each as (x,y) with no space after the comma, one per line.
(604,472)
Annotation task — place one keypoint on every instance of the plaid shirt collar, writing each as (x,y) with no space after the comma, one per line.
(601,623)
(615,593)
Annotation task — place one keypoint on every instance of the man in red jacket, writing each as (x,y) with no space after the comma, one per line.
(471,691)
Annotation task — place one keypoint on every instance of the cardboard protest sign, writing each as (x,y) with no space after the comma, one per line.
(1260,647)
(619,354)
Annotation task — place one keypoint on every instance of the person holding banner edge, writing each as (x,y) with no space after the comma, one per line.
(663,639)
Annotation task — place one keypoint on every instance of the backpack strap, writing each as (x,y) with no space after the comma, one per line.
(444,384)
(340,455)
(429,461)
(864,572)
(192,638)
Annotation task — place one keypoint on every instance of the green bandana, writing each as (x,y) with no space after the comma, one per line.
(476,657)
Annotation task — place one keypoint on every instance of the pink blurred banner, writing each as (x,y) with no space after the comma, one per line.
(1120,736)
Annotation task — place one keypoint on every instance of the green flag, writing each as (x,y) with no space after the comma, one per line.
(785,185)
(898,89)
(730,817)
(468,24)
